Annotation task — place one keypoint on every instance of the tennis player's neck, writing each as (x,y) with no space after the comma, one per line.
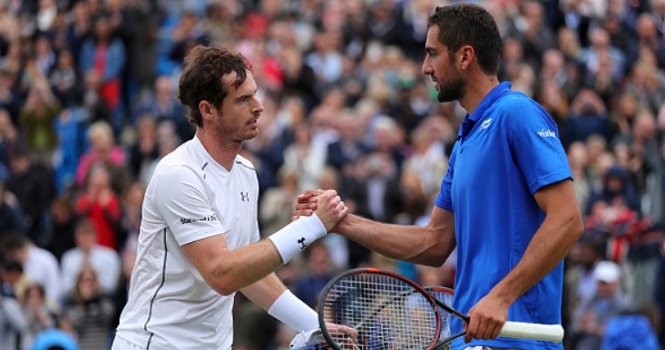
(222,152)
(476,92)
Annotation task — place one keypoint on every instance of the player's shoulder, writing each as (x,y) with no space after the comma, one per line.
(514,102)
(184,162)
(185,155)
(516,107)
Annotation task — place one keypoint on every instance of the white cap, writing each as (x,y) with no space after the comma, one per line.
(607,271)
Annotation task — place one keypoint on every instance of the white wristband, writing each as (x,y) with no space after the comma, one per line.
(294,312)
(297,236)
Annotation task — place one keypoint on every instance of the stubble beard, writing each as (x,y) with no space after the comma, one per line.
(451,90)
(238,133)
(242,135)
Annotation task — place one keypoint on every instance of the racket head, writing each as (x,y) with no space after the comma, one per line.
(389,311)
(444,295)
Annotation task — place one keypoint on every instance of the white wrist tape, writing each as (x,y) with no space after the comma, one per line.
(297,236)
(294,313)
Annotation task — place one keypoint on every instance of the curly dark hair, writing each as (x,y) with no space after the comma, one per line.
(202,77)
(469,24)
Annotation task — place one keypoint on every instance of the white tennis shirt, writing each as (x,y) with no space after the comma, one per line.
(189,197)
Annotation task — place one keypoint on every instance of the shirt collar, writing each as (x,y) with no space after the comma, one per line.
(209,160)
(489,99)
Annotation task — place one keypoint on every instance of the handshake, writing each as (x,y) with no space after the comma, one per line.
(326,204)
(331,210)
(319,212)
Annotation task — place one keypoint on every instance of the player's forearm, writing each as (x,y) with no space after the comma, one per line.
(271,294)
(546,250)
(409,243)
(265,291)
(242,267)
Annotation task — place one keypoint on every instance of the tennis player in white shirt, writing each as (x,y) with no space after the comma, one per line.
(199,239)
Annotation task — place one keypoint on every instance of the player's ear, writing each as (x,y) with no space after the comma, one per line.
(466,54)
(206,109)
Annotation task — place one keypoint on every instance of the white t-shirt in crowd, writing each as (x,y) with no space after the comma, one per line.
(103,260)
(189,197)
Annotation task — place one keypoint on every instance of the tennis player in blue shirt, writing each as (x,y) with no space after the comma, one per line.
(506,202)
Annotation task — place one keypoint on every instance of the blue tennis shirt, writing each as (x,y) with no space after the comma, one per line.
(506,150)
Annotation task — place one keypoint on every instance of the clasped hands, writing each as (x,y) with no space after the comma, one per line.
(326,204)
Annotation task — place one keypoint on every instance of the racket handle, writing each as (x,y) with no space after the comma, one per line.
(547,332)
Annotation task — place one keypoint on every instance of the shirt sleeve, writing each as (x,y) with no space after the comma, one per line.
(536,147)
(183,202)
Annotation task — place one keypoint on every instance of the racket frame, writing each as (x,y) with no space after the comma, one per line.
(417,289)
(544,332)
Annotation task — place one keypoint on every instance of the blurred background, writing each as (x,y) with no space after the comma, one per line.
(87,108)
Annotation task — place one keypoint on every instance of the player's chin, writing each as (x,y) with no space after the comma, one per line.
(250,136)
(251,133)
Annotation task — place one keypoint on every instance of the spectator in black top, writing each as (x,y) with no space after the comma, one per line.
(349,148)
(32,185)
(64,79)
(568,15)
(10,141)
(299,77)
(146,149)
(60,229)
(164,106)
(11,216)
(10,99)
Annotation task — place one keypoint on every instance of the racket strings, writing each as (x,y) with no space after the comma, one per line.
(387,312)
(447,298)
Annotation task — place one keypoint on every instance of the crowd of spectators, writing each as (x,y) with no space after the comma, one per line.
(87,109)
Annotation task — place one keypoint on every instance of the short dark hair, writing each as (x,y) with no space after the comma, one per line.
(201,79)
(469,24)
(13,241)
(12,265)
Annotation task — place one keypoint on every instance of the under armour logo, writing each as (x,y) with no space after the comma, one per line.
(302,241)
(244,196)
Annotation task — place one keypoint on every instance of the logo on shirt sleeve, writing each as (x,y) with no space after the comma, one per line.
(546,133)
(193,220)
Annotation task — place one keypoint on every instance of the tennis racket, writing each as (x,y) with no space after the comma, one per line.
(390,311)
(445,295)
